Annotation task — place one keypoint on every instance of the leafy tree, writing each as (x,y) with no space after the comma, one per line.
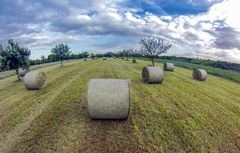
(52,58)
(85,54)
(152,47)
(35,62)
(61,51)
(74,56)
(14,57)
(99,55)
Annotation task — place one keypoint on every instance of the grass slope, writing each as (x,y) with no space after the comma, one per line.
(180,115)
(228,74)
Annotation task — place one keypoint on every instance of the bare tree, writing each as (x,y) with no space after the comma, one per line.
(134,52)
(125,53)
(152,47)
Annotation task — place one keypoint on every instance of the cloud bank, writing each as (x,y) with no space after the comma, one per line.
(204,29)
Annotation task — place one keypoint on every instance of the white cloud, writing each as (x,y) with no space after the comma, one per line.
(129,16)
(205,26)
(193,35)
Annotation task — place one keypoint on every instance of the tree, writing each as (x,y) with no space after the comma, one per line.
(134,52)
(85,54)
(121,53)
(43,59)
(99,55)
(35,62)
(1,63)
(126,53)
(92,55)
(74,56)
(61,51)
(152,47)
(14,57)
(52,58)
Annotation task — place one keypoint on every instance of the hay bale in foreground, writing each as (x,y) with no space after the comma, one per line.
(152,74)
(168,66)
(22,72)
(34,80)
(108,99)
(199,74)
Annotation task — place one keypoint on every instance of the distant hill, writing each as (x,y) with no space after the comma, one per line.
(109,54)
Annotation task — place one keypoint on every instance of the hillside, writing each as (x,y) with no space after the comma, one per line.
(180,115)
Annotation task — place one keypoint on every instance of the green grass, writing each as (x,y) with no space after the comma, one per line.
(228,74)
(179,115)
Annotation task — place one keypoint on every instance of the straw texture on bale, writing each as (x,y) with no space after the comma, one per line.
(168,66)
(108,99)
(151,74)
(199,74)
(21,72)
(34,80)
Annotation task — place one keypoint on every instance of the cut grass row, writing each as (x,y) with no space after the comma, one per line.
(187,115)
(28,104)
(68,115)
(179,115)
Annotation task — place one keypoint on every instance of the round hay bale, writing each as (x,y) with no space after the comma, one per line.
(134,61)
(199,74)
(22,72)
(34,80)
(151,74)
(108,99)
(168,66)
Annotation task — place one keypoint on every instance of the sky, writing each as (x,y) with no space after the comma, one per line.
(197,28)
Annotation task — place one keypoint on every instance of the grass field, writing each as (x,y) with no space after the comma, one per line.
(179,115)
(228,74)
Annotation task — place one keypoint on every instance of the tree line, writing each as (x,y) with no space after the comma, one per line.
(54,58)
(217,64)
(13,56)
